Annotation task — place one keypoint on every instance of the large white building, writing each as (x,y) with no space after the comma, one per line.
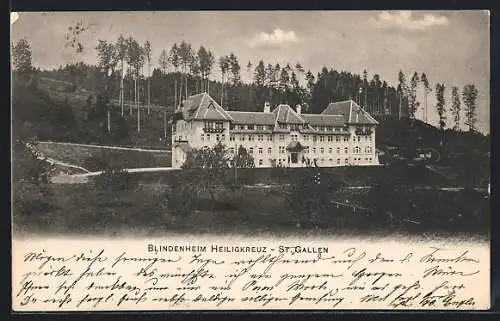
(343,134)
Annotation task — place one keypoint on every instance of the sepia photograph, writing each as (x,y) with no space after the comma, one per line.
(249,122)
(239,131)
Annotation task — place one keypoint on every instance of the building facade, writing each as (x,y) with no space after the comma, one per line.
(342,135)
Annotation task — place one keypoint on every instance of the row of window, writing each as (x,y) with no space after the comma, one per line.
(355,150)
(282,161)
(293,127)
(282,150)
(294,137)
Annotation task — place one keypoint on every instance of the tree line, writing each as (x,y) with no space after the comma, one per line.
(126,75)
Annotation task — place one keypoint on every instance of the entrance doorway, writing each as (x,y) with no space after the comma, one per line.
(294,158)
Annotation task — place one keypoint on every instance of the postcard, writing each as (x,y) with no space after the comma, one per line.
(250,160)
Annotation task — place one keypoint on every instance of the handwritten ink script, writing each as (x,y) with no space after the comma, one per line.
(52,275)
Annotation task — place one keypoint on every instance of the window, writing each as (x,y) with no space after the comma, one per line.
(242,127)
(217,137)
(346,139)
(260,127)
(368,150)
(322,150)
(346,160)
(294,137)
(260,137)
(338,160)
(337,138)
(359,138)
(314,150)
(307,150)
(202,137)
(282,137)
(370,160)
(260,162)
(270,127)
(231,138)
(231,150)
(270,138)
(219,125)
(260,150)
(306,137)
(337,129)
(366,159)
(231,126)
(330,160)
(330,129)
(250,137)
(314,138)
(330,138)
(208,136)
(250,150)
(269,150)
(356,150)
(338,150)
(242,137)
(282,126)
(330,150)
(282,149)
(250,127)
(321,138)
(346,150)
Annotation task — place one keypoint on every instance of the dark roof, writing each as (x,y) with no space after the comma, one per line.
(202,106)
(257,118)
(350,111)
(325,120)
(285,114)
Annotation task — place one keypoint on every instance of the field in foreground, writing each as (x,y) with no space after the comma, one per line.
(82,209)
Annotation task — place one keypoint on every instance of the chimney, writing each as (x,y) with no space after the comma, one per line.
(298,109)
(267,107)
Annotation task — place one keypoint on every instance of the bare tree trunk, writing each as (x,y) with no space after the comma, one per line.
(165,124)
(222,90)
(138,109)
(186,85)
(109,120)
(149,94)
(208,85)
(175,92)
(130,97)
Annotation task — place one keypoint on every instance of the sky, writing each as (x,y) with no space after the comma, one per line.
(451,47)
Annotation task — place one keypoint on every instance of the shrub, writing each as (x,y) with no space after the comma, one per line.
(115,179)
(181,200)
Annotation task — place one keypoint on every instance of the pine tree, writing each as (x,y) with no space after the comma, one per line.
(455,107)
(469,97)
(413,103)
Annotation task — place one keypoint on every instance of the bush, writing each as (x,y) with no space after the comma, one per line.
(116,179)
(181,200)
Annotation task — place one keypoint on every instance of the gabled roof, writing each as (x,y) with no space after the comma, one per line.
(256,118)
(350,112)
(285,114)
(325,120)
(202,106)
